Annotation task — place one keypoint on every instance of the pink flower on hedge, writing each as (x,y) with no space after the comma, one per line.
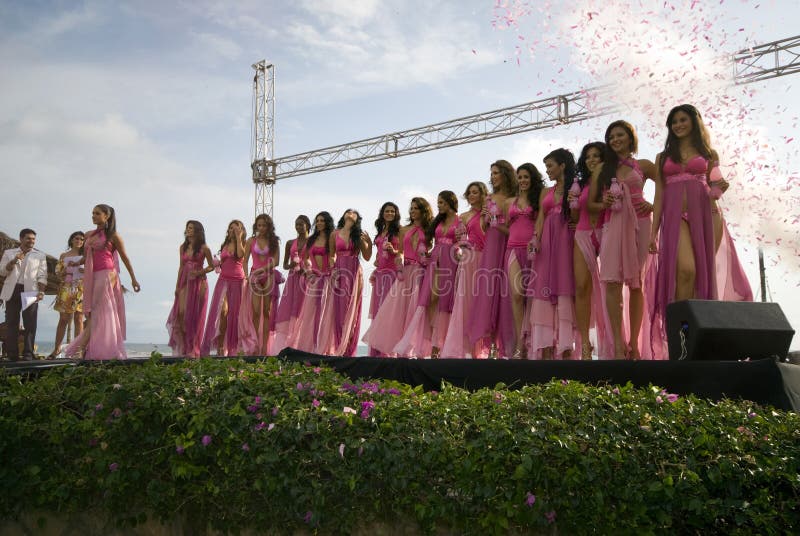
(261,426)
(117,412)
(659,399)
(245,447)
(550,516)
(98,407)
(299,386)
(751,415)
(270,427)
(348,409)
(257,401)
(530,500)
(564,382)
(317,370)
(366,407)
(308,516)
(315,403)
(179,449)
(113,467)
(671,398)
(206,440)
(615,390)
(341,450)
(274,411)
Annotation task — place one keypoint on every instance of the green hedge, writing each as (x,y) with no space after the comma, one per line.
(285,447)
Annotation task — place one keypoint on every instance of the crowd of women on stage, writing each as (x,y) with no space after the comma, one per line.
(582,267)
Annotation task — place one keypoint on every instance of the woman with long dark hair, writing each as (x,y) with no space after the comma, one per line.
(490,279)
(188,313)
(427,329)
(470,241)
(347,281)
(222,327)
(521,213)
(262,291)
(314,328)
(395,313)
(552,287)
(69,298)
(387,244)
(626,236)
(103,305)
(294,288)
(590,305)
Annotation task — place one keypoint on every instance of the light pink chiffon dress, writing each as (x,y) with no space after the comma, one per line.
(228,292)
(382,279)
(314,328)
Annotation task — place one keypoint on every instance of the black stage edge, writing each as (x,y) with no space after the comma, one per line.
(759,381)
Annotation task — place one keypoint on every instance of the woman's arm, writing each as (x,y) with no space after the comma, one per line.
(246,258)
(116,240)
(657,204)
(366,246)
(540,216)
(286,250)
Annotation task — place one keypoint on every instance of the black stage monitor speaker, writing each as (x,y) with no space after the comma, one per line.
(706,329)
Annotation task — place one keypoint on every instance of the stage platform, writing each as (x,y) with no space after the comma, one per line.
(763,381)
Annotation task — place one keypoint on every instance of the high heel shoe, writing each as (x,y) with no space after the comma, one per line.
(54,354)
(493,351)
(520,353)
(586,351)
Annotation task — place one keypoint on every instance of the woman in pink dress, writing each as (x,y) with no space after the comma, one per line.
(470,240)
(222,327)
(387,257)
(520,213)
(426,332)
(491,275)
(257,318)
(395,313)
(103,305)
(314,328)
(69,299)
(626,237)
(188,314)
(294,288)
(590,304)
(682,213)
(347,281)
(552,287)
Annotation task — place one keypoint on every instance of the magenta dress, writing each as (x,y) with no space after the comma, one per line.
(732,283)
(395,313)
(422,333)
(684,184)
(291,302)
(521,226)
(314,328)
(103,304)
(229,290)
(587,243)
(624,256)
(186,340)
(382,279)
(264,284)
(490,280)
(457,342)
(347,284)
(551,291)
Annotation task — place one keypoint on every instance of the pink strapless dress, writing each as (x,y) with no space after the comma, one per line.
(103,303)
(291,301)
(314,328)
(551,291)
(347,284)
(393,317)
(382,279)
(258,336)
(457,343)
(186,339)
(228,292)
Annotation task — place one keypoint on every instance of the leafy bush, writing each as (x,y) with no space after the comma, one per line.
(231,446)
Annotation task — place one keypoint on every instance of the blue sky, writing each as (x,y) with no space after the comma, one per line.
(147,106)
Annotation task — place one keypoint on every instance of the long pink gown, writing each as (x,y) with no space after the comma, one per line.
(393,317)
(732,283)
(423,333)
(186,340)
(291,302)
(103,304)
(521,226)
(347,283)
(684,184)
(264,284)
(314,328)
(624,255)
(382,279)
(229,291)
(587,241)
(551,291)
(490,281)
(457,342)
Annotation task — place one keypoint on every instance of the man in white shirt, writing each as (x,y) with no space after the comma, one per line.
(25,270)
